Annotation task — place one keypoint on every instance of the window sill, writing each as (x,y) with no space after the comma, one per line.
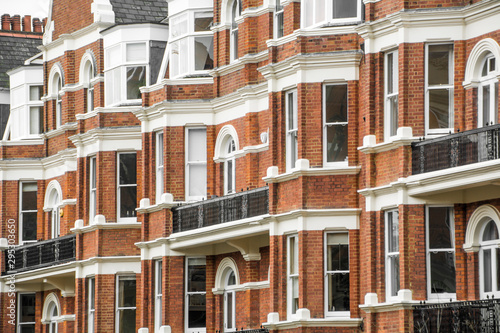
(100,223)
(340,29)
(239,64)
(404,137)
(302,169)
(166,202)
(303,319)
(401,302)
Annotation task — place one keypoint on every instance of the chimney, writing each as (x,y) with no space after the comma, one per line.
(6,22)
(16,23)
(27,23)
(37,25)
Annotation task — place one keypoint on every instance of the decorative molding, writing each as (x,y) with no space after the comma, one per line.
(60,130)
(404,137)
(475,59)
(225,265)
(240,63)
(480,216)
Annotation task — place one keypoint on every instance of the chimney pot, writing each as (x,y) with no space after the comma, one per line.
(16,23)
(6,22)
(27,23)
(37,25)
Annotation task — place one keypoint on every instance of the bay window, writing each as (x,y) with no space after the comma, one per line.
(337,274)
(335,124)
(391,94)
(488,93)
(325,12)
(392,253)
(28,212)
(196,291)
(127,187)
(191,43)
(196,163)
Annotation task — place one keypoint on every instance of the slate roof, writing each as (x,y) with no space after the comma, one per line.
(139,11)
(13,52)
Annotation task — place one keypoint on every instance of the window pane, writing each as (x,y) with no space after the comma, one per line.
(113,56)
(36,117)
(490,231)
(439,108)
(229,309)
(29,196)
(204,53)
(128,201)
(128,170)
(197,311)
(203,21)
(390,73)
(136,78)
(336,103)
(229,176)
(319,10)
(293,256)
(36,93)
(197,144)
(345,8)
(393,229)
(442,272)
(486,105)
(394,273)
(127,293)
(136,52)
(29,226)
(487,277)
(197,180)
(438,66)
(196,276)
(179,25)
(27,308)
(441,230)
(338,257)
(28,328)
(295,294)
(279,25)
(338,292)
(336,149)
(393,114)
(127,321)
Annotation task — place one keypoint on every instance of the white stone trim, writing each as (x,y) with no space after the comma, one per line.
(53,186)
(225,132)
(476,56)
(239,64)
(303,319)
(51,298)
(481,215)
(404,137)
(225,264)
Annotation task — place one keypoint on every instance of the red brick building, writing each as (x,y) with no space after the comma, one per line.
(253,166)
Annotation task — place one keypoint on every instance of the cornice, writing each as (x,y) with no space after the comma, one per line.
(240,63)
(94,27)
(177,82)
(98,110)
(61,130)
(107,133)
(319,32)
(315,322)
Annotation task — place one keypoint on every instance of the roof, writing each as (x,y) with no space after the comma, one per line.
(137,11)
(13,52)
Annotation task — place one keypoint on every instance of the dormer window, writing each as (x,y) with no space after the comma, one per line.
(192,41)
(317,13)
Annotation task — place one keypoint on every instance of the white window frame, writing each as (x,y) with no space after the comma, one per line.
(291,118)
(489,80)
(229,292)
(160,165)
(327,12)
(53,320)
(187,294)
(90,86)
(119,186)
(329,312)
(391,97)
(91,304)
(92,188)
(449,87)
(19,310)
(183,44)
(122,65)
(32,104)
(492,246)
(279,17)
(230,166)
(326,125)
(55,213)
(59,94)
(292,275)
(158,311)
(22,212)
(429,251)
(194,163)
(117,300)
(233,30)
(391,254)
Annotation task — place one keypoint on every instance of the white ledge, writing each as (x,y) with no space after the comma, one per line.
(243,287)
(60,130)
(240,63)
(114,109)
(315,322)
(81,229)
(181,81)
(318,31)
(166,202)
(404,137)
(22,142)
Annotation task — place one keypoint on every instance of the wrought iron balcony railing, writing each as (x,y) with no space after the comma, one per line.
(40,254)
(256,330)
(220,210)
(457,149)
(461,317)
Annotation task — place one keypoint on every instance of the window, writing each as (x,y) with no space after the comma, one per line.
(26,313)
(229,302)
(440,252)
(125,304)
(489,257)
(337,274)
(159,166)
(127,187)
(196,163)
(323,12)
(58,101)
(192,43)
(439,89)
(392,253)
(158,295)
(292,275)
(126,71)
(53,317)
(488,93)
(28,220)
(35,110)
(229,167)
(278,19)
(391,94)
(335,124)
(55,202)
(233,39)
(196,312)
(90,304)
(93,188)
(292,151)
(90,86)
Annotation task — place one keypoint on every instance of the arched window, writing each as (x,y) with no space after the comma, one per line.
(235,13)
(489,255)
(51,313)
(89,75)
(53,317)
(229,167)
(53,204)
(229,301)
(488,92)
(58,85)
(226,148)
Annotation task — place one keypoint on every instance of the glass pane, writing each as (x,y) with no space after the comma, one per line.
(231,280)
(336,144)
(229,176)
(497,250)
(394,274)
(179,25)
(486,105)
(338,292)
(442,272)
(439,108)
(128,171)
(36,93)
(159,148)
(393,115)
(293,256)
(136,78)
(28,328)
(345,8)
(127,293)
(336,103)
(113,56)
(27,312)
(393,229)
(128,201)
(319,10)
(441,229)
(390,73)
(279,25)
(136,52)
(29,196)
(127,321)
(234,42)
(92,293)
(93,172)
(487,277)
(197,180)
(159,278)
(229,309)
(29,226)
(197,311)
(490,231)
(292,111)
(495,105)
(202,21)
(196,276)
(197,144)
(309,15)
(335,239)
(338,257)
(295,294)
(204,53)
(439,64)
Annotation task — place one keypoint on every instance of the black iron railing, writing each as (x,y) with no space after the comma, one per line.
(457,149)
(256,330)
(40,254)
(220,210)
(460,317)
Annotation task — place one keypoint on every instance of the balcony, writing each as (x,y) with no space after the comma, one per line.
(256,330)
(221,210)
(463,317)
(457,149)
(40,254)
